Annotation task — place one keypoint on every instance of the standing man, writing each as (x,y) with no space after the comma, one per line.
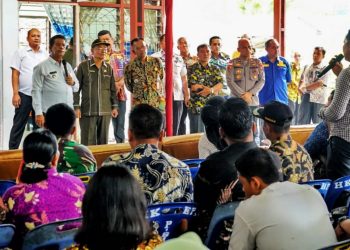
(204,80)
(219,59)
(118,62)
(143,77)
(277,74)
(53,80)
(338,112)
(189,61)
(180,88)
(293,87)
(314,91)
(245,77)
(98,98)
(22,65)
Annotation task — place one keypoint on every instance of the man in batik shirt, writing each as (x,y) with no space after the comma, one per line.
(204,80)
(143,77)
(162,177)
(219,59)
(74,158)
(296,162)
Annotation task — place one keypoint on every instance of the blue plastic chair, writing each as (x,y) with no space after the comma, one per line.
(57,235)
(4,185)
(335,190)
(322,185)
(167,217)
(221,213)
(7,232)
(194,165)
(85,177)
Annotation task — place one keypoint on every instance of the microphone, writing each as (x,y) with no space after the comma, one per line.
(65,67)
(331,64)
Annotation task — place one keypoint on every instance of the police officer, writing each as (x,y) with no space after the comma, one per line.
(245,75)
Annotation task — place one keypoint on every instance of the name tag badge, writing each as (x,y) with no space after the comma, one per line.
(53,74)
(281,64)
(265,65)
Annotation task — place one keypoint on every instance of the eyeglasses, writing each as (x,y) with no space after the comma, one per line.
(101,49)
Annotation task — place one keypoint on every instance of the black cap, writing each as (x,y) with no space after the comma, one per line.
(99,42)
(275,112)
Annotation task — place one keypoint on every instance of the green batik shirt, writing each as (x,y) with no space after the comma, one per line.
(75,158)
(209,76)
(144,81)
(296,162)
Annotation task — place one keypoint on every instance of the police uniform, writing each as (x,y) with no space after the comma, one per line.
(245,76)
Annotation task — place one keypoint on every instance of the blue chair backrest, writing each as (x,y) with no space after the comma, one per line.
(85,177)
(336,189)
(167,217)
(321,185)
(221,213)
(194,165)
(5,184)
(55,235)
(7,232)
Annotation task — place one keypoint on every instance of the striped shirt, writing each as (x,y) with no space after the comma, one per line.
(338,111)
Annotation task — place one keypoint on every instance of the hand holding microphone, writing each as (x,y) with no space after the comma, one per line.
(68,78)
(333,62)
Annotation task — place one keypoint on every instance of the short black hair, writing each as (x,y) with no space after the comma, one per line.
(145,122)
(235,118)
(267,43)
(212,38)
(104,32)
(347,37)
(201,46)
(54,38)
(279,129)
(39,147)
(260,162)
(321,49)
(133,41)
(60,119)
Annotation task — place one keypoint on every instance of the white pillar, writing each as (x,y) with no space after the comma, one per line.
(8,45)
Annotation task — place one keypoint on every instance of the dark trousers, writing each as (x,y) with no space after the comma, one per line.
(182,125)
(119,123)
(20,120)
(177,113)
(308,111)
(338,158)
(196,124)
(94,129)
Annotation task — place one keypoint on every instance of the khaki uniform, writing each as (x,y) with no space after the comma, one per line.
(245,76)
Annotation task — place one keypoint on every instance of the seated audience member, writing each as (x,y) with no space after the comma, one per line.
(74,158)
(316,144)
(296,162)
(163,177)
(210,141)
(43,195)
(277,215)
(217,177)
(117,218)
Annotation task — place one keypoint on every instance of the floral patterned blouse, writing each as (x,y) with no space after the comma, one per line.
(59,197)
(163,178)
(209,76)
(144,81)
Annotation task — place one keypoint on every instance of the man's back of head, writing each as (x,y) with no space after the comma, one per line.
(145,122)
(60,120)
(236,119)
